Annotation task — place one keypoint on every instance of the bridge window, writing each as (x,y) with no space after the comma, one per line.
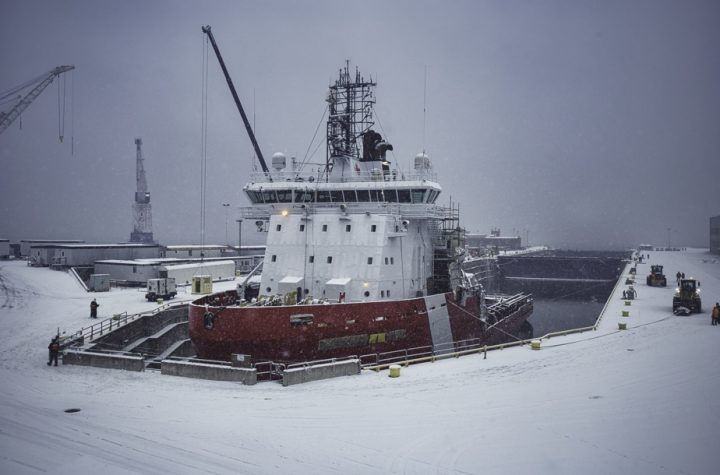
(284,196)
(323,196)
(348,227)
(337,196)
(370,259)
(363,196)
(404,196)
(391,196)
(254,196)
(302,227)
(304,196)
(418,196)
(350,196)
(376,196)
(269,196)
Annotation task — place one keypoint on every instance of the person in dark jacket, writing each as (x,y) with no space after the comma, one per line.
(54,350)
(93,308)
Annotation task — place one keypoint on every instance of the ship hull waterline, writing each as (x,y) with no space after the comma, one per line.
(297,333)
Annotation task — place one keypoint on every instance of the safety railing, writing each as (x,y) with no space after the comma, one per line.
(103,327)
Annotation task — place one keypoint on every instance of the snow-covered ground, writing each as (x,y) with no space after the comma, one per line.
(641,401)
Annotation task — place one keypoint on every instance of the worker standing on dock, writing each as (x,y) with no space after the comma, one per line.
(93,308)
(54,350)
(716,314)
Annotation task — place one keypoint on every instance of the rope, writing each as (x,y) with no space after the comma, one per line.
(305,158)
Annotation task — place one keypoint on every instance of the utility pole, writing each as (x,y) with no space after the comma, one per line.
(227,207)
(669,229)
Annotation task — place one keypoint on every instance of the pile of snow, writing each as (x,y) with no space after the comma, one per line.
(643,400)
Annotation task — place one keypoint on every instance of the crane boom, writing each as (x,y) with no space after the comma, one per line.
(207,31)
(8,118)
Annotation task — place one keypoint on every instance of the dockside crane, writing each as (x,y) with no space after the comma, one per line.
(43,81)
(248,128)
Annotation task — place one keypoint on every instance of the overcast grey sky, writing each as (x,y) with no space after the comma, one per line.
(584,124)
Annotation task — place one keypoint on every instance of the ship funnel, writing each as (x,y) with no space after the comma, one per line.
(278,161)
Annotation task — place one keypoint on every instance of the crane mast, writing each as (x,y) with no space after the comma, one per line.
(248,128)
(142,210)
(8,118)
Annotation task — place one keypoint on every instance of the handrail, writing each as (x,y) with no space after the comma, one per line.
(116,321)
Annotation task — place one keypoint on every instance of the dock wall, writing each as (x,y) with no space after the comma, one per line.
(103,360)
(305,374)
(213,372)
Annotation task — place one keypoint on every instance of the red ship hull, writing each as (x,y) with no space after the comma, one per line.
(295,333)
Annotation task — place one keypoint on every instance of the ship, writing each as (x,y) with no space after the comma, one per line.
(360,257)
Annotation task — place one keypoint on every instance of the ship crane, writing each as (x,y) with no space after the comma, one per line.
(7,118)
(248,128)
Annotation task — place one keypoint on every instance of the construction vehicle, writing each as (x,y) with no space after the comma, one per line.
(160,288)
(42,81)
(687,295)
(656,278)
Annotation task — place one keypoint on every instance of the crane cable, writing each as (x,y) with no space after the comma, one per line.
(61,107)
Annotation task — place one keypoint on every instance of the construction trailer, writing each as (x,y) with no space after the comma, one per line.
(183,273)
(197,251)
(135,272)
(79,255)
(26,244)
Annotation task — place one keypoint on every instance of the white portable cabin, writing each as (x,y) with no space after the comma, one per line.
(132,272)
(26,244)
(73,255)
(183,273)
(4,248)
(197,251)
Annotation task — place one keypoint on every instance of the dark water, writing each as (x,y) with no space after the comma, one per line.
(551,315)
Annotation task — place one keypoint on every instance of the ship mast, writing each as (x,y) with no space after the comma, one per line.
(350,107)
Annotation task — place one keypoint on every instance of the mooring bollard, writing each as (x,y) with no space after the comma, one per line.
(626,313)
(622,326)
(628,303)
(394,371)
(160,301)
(535,344)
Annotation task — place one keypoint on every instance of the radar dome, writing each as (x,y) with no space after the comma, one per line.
(278,160)
(422,161)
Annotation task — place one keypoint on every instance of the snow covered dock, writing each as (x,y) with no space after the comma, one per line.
(644,400)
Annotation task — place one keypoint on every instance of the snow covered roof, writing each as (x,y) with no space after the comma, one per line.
(199,265)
